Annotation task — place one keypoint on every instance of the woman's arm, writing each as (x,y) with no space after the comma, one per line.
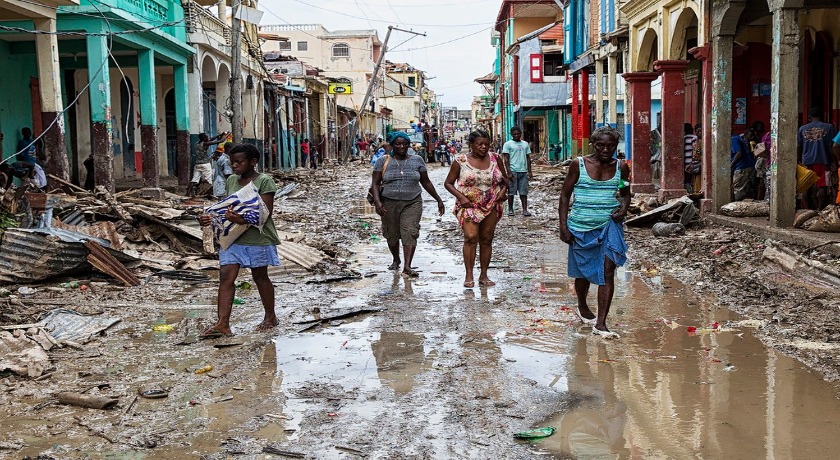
(565,196)
(429,187)
(375,183)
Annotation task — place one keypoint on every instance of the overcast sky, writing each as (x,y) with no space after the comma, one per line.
(460,28)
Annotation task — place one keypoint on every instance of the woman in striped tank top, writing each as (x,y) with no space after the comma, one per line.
(593,228)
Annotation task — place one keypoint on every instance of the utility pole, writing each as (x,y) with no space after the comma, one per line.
(357,126)
(236,74)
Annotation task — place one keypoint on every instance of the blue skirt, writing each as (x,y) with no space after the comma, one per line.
(589,249)
(249,256)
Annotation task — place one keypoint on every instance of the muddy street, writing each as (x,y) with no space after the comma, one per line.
(421,368)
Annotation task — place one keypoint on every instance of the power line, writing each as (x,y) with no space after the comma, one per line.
(384,21)
(87,34)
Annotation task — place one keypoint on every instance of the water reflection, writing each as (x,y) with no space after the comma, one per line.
(400,358)
(666,393)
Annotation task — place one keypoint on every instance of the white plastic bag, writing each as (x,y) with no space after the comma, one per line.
(248,204)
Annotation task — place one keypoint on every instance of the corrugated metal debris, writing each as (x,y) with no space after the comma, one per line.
(69,325)
(301,254)
(103,261)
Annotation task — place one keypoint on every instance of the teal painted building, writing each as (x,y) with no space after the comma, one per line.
(96,71)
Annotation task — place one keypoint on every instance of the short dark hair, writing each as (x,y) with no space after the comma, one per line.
(476,135)
(688,128)
(250,150)
(515,128)
(815,112)
(605,130)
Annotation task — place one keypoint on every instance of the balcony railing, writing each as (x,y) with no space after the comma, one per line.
(200,21)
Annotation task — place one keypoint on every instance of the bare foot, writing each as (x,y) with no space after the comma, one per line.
(217,330)
(267,325)
(486,282)
(469,284)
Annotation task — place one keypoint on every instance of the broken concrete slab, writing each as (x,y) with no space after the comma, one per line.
(654,215)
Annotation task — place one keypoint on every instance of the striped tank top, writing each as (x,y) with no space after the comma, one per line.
(594,200)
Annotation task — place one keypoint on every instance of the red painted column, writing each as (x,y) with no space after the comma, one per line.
(575,114)
(704,54)
(673,131)
(585,119)
(641,181)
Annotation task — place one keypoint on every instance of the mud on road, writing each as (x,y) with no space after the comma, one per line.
(441,371)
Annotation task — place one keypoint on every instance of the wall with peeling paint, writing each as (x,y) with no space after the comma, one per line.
(15,100)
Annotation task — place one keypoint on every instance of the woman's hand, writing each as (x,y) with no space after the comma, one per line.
(234,217)
(441,208)
(380,208)
(566,235)
(205,220)
(619,215)
(464,202)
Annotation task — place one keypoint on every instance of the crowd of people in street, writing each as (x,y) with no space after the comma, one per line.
(818,156)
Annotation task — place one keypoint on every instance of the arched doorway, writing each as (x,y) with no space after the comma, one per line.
(171,133)
(127,127)
(648,52)
(208,95)
(684,39)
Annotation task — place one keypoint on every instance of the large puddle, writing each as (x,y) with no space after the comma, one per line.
(661,391)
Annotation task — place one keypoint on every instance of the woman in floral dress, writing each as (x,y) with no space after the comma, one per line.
(477,180)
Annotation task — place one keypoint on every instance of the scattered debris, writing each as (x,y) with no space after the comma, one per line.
(89,401)
(746,208)
(668,229)
(680,210)
(66,325)
(537,433)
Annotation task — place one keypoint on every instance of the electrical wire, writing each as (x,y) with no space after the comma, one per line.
(389,22)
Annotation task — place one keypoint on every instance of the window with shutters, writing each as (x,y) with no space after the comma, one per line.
(536,66)
(303,46)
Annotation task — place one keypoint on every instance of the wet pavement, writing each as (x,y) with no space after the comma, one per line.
(449,372)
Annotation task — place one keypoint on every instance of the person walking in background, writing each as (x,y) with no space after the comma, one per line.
(815,152)
(203,168)
(761,151)
(742,165)
(593,229)
(397,198)
(222,172)
(304,152)
(517,155)
(478,182)
(656,153)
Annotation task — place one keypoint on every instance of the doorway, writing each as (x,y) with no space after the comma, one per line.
(171,133)
(127,127)
(532,129)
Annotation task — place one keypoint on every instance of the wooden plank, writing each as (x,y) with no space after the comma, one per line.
(71,185)
(103,261)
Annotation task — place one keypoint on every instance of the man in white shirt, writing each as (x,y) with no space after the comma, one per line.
(517,155)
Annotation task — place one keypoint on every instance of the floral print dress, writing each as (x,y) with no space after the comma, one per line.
(483,187)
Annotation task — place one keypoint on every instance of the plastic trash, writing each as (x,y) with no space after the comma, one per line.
(668,229)
(243,285)
(25,290)
(537,433)
(162,328)
(70,285)
(238,300)
(204,369)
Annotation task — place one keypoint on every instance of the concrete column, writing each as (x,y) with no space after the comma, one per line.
(148,117)
(703,54)
(100,111)
(721,121)
(612,71)
(221,5)
(784,126)
(599,91)
(673,131)
(182,121)
(49,81)
(640,127)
